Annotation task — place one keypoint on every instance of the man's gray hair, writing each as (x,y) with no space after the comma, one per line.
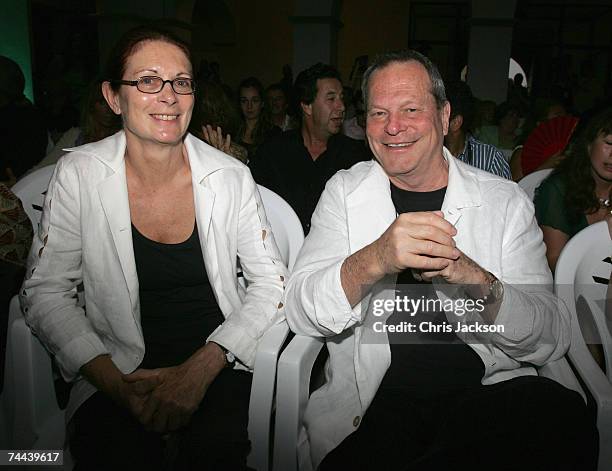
(383,60)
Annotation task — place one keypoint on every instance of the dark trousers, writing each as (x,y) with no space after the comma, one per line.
(527,423)
(104,436)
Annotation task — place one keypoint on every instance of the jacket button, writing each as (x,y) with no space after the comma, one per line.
(356,421)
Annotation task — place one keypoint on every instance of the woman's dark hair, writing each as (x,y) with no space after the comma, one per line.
(130,43)
(97,119)
(215,107)
(264,123)
(575,169)
(503,109)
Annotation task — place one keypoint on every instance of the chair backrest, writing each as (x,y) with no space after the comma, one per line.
(584,263)
(581,281)
(530,182)
(31,191)
(583,272)
(286,226)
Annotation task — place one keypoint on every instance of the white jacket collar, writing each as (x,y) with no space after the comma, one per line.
(111,151)
(371,195)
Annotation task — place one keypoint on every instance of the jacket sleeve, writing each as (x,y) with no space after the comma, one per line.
(316,304)
(266,276)
(536,322)
(48,295)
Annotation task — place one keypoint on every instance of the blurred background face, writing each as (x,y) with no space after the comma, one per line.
(251,103)
(161,117)
(555,111)
(277,102)
(600,151)
(509,122)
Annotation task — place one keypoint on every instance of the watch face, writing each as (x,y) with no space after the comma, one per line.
(497,290)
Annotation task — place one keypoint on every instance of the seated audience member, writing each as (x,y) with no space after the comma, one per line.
(427,401)
(216,120)
(460,141)
(504,134)
(355,127)
(15,241)
(278,104)
(544,110)
(576,194)
(169,335)
(256,126)
(97,122)
(484,115)
(298,163)
(23,132)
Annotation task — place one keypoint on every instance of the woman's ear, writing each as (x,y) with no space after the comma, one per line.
(111,97)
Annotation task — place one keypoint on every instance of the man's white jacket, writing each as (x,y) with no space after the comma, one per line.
(495,226)
(85,235)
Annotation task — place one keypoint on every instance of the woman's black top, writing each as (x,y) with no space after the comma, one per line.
(178,309)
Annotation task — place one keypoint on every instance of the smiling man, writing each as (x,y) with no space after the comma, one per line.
(298,163)
(429,225)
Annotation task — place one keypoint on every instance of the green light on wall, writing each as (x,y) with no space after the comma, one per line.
(15,38)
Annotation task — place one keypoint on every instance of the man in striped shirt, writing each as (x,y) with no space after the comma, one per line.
(460,141)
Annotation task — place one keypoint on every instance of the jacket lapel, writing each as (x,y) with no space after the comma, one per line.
(114,198)
(370,199)
(463,190)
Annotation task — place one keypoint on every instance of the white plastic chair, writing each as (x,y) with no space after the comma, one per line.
(289,238)
(530,182)
(31,191)
(29,404)
(285,224)
(293,381)
(581,259)
(293,391)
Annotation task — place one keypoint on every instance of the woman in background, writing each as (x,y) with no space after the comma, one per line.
(256,125)
(504,133)
(576,194)
(215,120)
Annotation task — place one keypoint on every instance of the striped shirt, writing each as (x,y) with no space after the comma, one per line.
(485,157)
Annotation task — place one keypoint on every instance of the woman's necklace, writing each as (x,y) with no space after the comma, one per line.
(604,202)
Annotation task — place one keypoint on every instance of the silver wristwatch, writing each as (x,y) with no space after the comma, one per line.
(230,358)
(496,292)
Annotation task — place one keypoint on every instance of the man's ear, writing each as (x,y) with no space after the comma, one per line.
(306,109)
(456,123)
(444,115)
(111,97)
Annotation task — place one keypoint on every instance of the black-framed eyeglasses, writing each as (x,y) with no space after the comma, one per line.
(152,84)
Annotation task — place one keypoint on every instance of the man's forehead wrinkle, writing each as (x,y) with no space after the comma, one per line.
(399,77)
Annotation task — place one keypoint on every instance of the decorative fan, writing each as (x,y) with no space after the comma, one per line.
(547,139)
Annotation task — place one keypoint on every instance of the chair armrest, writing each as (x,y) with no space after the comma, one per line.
(598,386)
(262,395)
(292,393)
(37,417)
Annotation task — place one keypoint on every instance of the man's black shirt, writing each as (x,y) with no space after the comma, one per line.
(426,364)
(284,165)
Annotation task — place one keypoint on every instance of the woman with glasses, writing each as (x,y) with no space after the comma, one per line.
(153,221)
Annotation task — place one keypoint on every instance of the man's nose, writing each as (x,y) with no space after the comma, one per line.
(340,104)
(394,124)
